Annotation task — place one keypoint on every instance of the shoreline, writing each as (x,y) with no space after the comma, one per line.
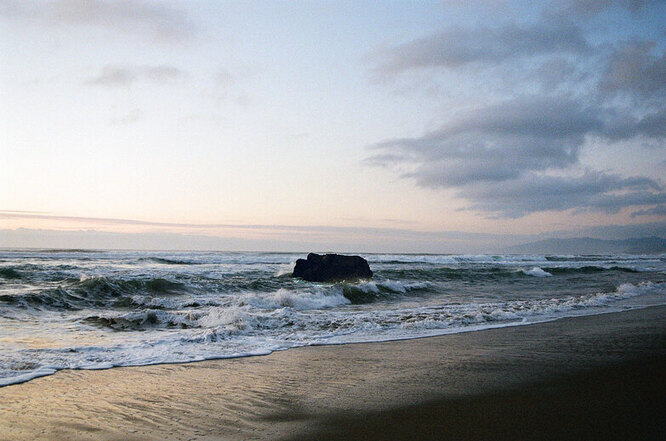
(471,328)
(316,389)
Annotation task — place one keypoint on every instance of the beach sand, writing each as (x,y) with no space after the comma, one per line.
(595,377)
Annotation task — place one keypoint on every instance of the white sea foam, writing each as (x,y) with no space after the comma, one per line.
(537,272)
(317,298)
(391,286)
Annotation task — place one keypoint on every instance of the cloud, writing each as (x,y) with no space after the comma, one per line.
(115,76)
(154,19)
(534,192)
(519,152)
(625,126)
(265,237)
(456,47)
(552,51)
(504,140)
(637,70)
(38,215)
(501,158)
(587,8)
(659,210)
(555,72)
(494,143)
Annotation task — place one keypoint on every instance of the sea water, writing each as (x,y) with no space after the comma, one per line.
(98,309)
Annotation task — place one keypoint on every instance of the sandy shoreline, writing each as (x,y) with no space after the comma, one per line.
(464,386)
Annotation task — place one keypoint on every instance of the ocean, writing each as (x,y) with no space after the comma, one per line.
(82,309)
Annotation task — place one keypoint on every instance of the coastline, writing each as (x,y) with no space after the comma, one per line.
(465,385)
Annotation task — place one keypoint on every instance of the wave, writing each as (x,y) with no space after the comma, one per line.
(329,296)
(547,307)
(165,261)
(57,298)
(452,259)
(141,320)
(430,274)
(109,286)
(536,272)
(495,272)
(10,273)
(252,309)
(268,292)
(314,314)
(457,317)
(368,292)
(599,257)
(317,298)
(94,292)
(589,269)
(576,258)
(259,324)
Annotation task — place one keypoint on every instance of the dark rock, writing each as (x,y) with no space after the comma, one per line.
(331,267)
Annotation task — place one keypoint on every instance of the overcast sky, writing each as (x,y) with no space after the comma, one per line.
(299,123)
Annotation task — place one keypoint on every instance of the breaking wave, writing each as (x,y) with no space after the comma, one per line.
(103,309)
(284,309)
(536,272)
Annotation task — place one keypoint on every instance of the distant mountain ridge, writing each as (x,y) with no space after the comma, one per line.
(588,245)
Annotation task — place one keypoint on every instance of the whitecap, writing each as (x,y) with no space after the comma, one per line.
(536,272)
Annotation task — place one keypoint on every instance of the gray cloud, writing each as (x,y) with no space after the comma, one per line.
(456,47)
(637,70)
(494,143)
(521,153)
(502,141)
(115,76)
(591,191)
(555,72)
(498,157)
(551,52)
(659,210)
(588,8)
(140,17)
(624,126)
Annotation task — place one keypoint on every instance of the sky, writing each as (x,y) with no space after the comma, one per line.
(438,126)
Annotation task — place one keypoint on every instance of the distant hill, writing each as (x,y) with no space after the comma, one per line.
(588,245)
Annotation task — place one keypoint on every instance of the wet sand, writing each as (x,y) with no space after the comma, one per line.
(597,377)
